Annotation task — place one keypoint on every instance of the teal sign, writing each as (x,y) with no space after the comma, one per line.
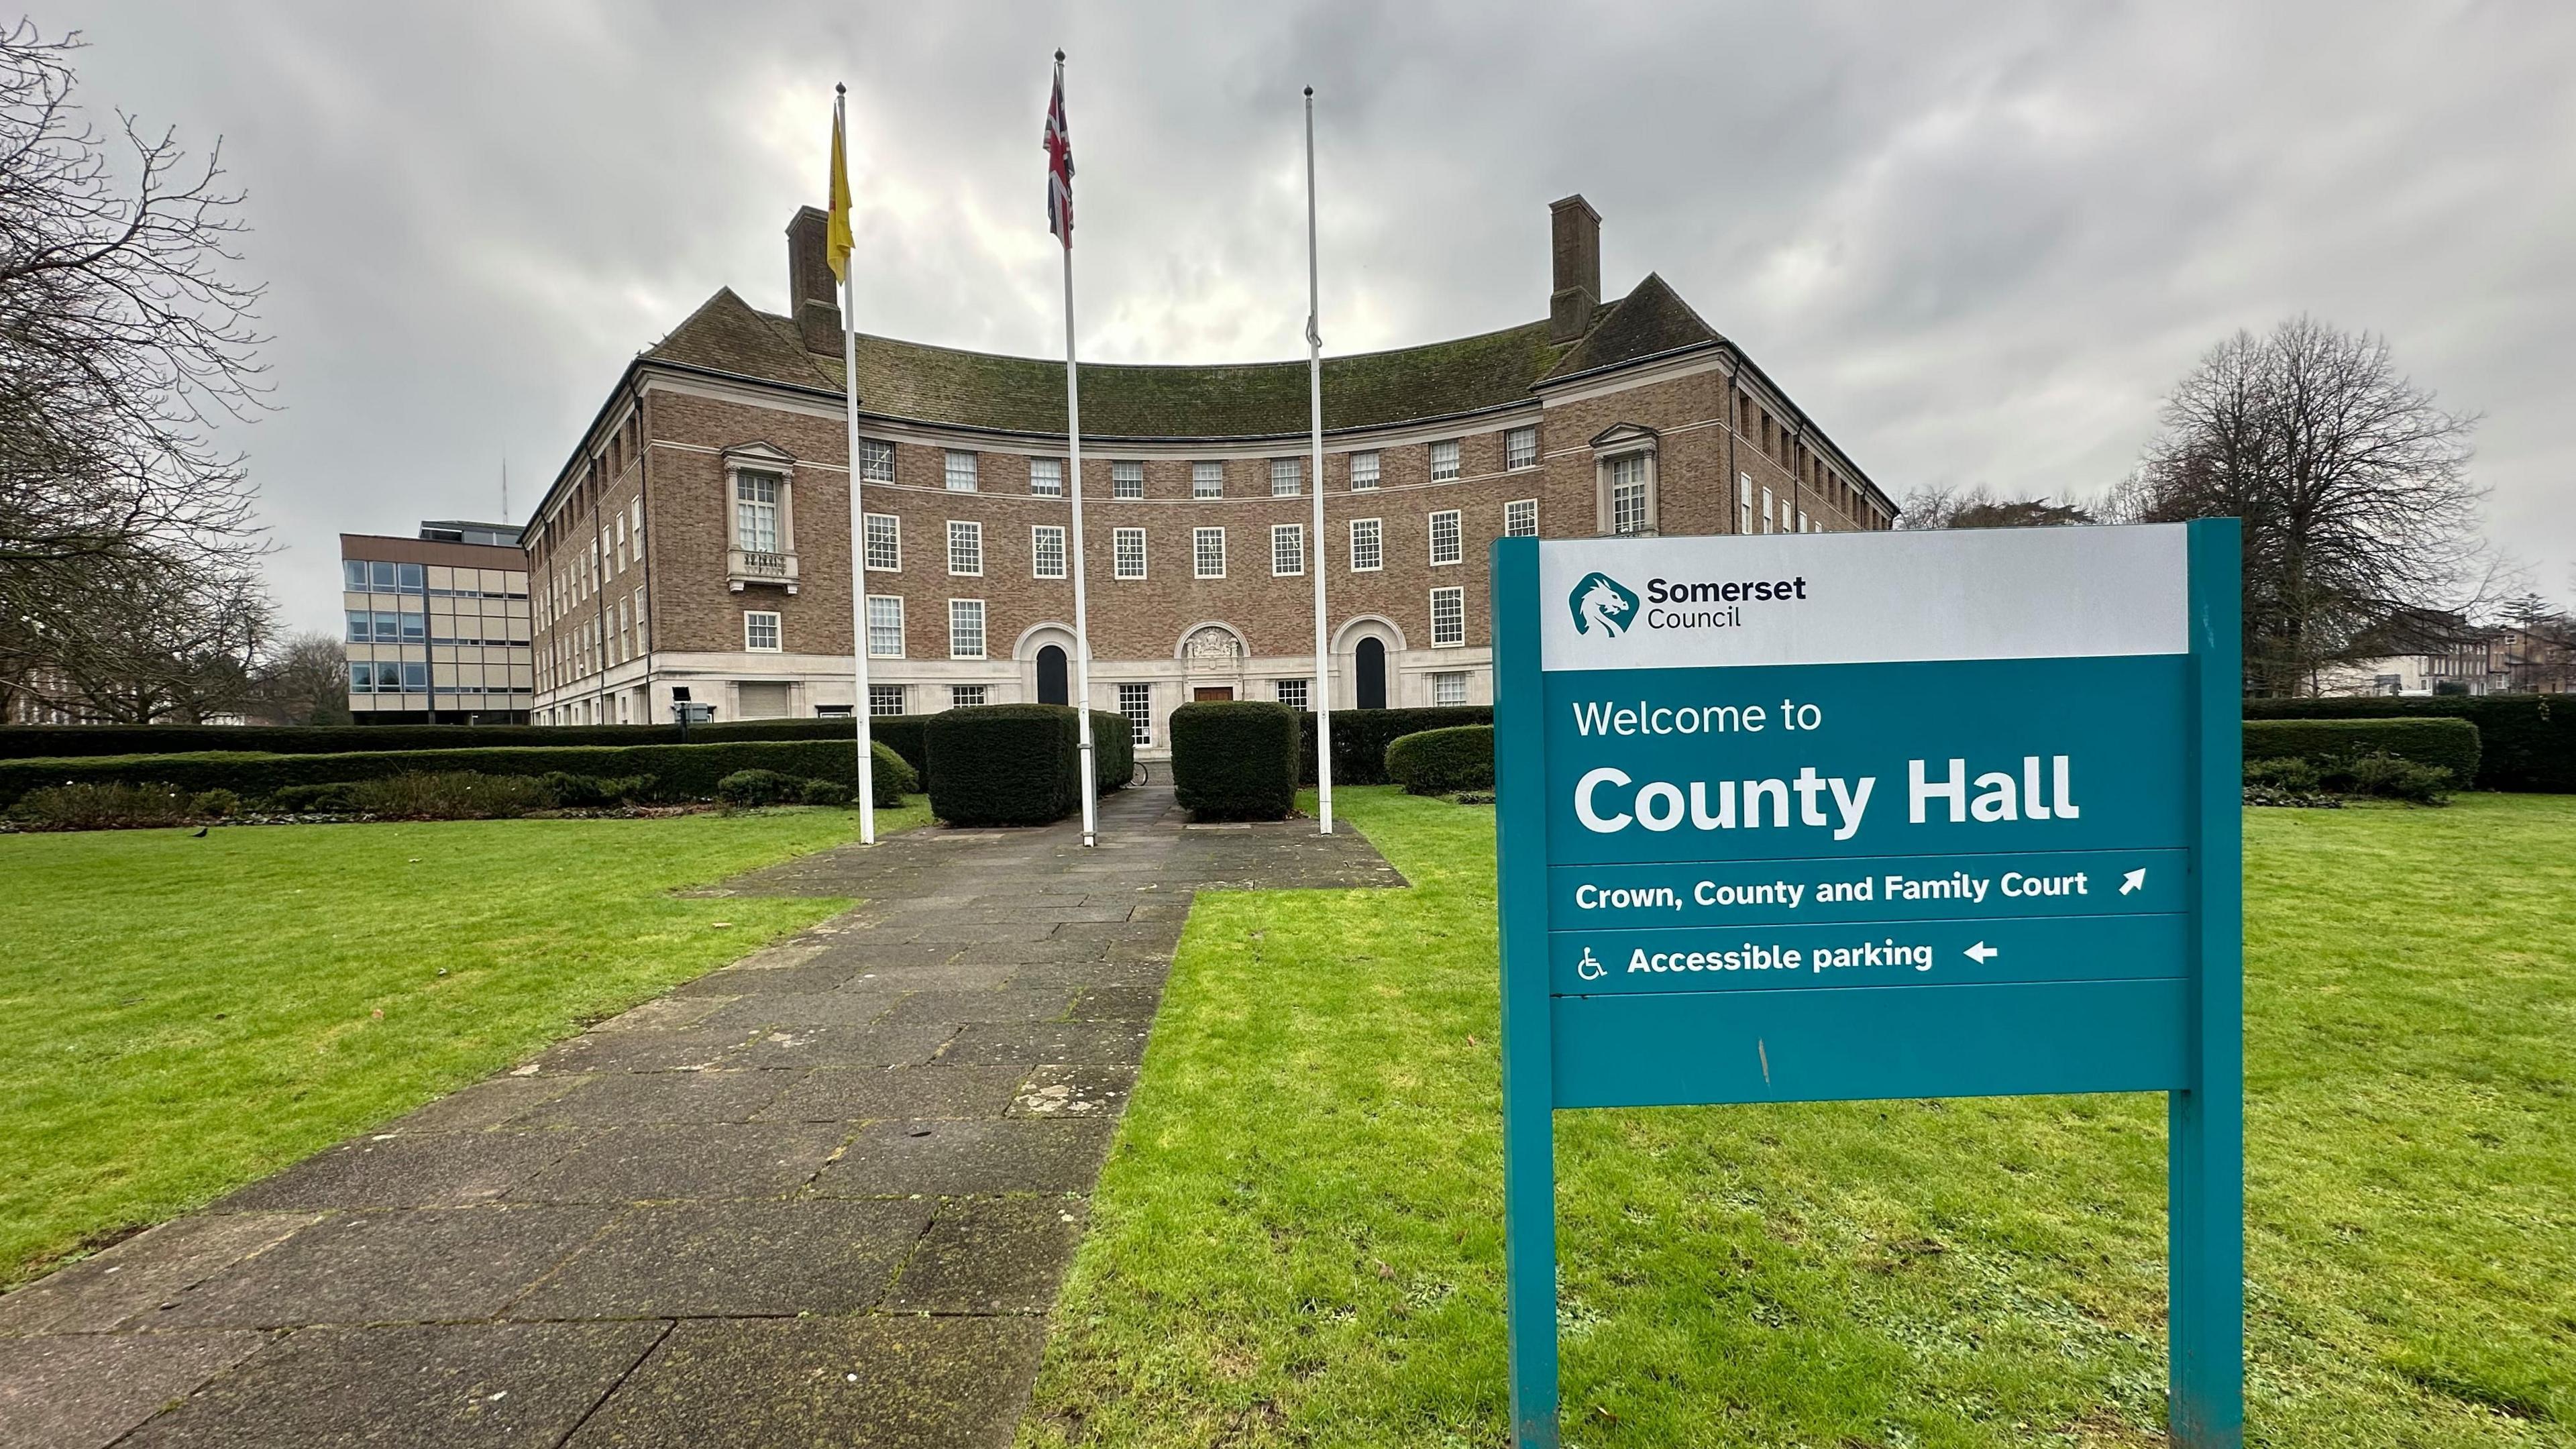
(1813,817)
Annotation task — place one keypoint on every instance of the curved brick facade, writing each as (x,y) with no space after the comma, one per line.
(699,540)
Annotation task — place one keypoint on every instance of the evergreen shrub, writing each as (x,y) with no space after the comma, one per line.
(1235,759)
(1443,761)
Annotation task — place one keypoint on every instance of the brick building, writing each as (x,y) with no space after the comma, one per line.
(697,545)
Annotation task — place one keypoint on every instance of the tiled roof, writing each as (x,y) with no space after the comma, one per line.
(1124,400)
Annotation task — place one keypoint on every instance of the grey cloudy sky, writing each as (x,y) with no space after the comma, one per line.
(1976,241)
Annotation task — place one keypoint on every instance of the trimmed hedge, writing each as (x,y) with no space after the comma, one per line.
(1443,762)
(1005,764)
(2448,744)
(1360,738)
(1113,750)
(680,772)
(61,742)
(2525,741)
(1235,759)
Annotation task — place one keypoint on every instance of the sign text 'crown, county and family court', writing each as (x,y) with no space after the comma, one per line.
(1810,817)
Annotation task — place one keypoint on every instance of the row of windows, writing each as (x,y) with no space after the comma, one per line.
(961,471)
(1047,548)
(379,627)
(367,576)
(1136,701)
(763,632)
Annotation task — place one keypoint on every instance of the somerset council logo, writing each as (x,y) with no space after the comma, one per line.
(1602,602)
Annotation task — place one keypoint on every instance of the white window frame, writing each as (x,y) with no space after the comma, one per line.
(897,651)
(878,692)
(959,610)
(1614,485)
(1293,535)
(1445,681)
(876,460)
(776,504)
(969,696)
(1803,522)
(1127,479)
(958,472)
(1302,688)
(1444,461)
(1743,503)
(1365,471)
(1290,472)
(891,537)
(1457,598)
(969,564)
(1040,485)
(1119,539)
(1520,518)
(1457,529)
(1199,538)
(752,629)
(1042,538)
(1375,528)
(1520,448)
(1207,480)
(1136,703)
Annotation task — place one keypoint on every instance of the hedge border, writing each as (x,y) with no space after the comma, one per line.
(2526,742)
(2449,744)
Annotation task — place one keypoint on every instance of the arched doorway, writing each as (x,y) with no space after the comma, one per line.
(1370,674)
(1052,688)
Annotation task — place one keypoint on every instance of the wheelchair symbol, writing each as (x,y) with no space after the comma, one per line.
(1589,968)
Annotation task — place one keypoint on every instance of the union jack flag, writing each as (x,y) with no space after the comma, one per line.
(1059,148)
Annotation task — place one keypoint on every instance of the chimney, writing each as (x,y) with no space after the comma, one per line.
(810,298)
(1575,233)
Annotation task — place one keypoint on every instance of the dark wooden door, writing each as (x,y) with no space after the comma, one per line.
(1051,685)
(1372,674)
(1206,692)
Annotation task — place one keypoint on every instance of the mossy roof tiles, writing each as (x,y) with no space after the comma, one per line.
(950,386)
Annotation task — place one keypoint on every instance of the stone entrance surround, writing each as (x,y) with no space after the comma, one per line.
(822,1195)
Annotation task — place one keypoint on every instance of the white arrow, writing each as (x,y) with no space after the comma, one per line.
(2133,880)
(1981,953)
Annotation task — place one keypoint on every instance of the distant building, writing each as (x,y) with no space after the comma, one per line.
(2422,652)
(437,626)
(697,544)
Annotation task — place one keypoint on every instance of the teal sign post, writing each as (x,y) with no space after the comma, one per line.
(1829,816)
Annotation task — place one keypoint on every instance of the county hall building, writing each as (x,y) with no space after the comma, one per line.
(697,545)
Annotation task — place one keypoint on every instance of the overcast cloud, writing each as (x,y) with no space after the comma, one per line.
(1976,242)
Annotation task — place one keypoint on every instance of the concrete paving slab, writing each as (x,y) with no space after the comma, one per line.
(842,1046)
(629,1099)
(734,1260)
(673,1012)
(1117,1003)
(85,1390)
(452,1386)
(685,1050)
(1022,1003)
(1074,1091)
(138,1275)
(938,1089)
(867,1383)
(953,1159)
(699,1161)
(411,1266)
(1116,1043)
(991,1255)
(772,1010)
(440,1169)
(484,1105)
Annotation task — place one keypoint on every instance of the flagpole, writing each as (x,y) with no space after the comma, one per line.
(1090,783)
(1323,701)
(858,517)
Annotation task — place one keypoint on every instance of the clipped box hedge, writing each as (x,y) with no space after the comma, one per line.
(1443,762)
(2449,744)
(1360,738)
(680,772)
(1005,764)
(1113,750)
(1235,759)
(2525,741)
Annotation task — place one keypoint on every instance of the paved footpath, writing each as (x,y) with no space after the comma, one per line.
(821,1196)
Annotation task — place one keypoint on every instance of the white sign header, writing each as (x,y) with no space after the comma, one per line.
(1863,598)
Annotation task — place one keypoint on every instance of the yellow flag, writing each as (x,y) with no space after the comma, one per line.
(836,246)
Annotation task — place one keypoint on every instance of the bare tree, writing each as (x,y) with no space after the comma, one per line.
(123,339)
(304,682)
(2352,484)
(1979,507)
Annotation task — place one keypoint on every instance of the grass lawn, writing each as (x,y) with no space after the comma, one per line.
(1298,1238)
(179,1016)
